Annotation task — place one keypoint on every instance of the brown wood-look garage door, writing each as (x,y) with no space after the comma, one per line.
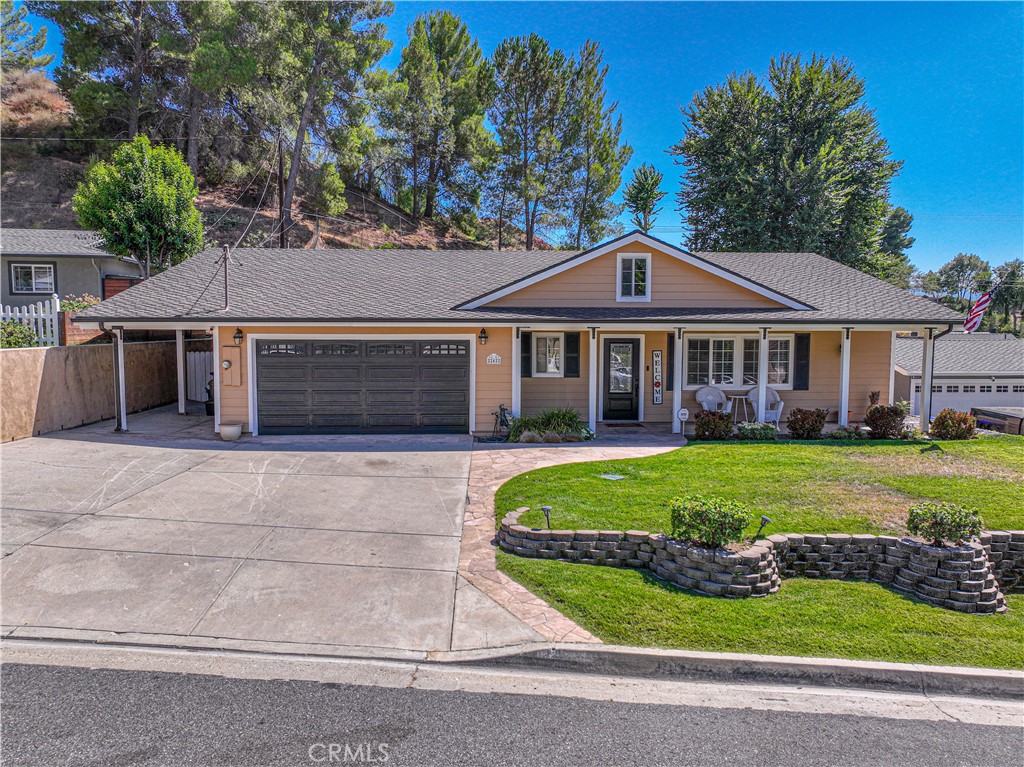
(362,387)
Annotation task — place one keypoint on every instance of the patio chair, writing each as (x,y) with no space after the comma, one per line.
(713,398)
(773,405)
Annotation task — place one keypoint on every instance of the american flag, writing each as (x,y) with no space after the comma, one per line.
(973,321)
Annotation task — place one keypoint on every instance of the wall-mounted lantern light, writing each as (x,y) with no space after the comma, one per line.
(237,337)
(483,336)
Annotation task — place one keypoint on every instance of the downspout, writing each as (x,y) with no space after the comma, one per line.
(931,373)
(99,274)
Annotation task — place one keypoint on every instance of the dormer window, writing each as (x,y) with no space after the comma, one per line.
(634,283)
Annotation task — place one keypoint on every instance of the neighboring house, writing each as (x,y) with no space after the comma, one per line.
(979,370)
(335,341)
(40,262)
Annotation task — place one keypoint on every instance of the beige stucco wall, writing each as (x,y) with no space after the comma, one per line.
(46,389)
(493,382)
(674,284)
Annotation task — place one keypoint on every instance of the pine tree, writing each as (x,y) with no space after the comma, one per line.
(21,46)
(642,195)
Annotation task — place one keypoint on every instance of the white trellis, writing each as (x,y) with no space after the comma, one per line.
(43,318)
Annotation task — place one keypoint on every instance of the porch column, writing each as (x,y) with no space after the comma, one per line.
(592,380)
(517,375)
(120,394)
(844,379)
(762,374)
(677,381)
(179,352)
(927,356)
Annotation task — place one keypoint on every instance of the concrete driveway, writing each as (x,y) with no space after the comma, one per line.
(332,542)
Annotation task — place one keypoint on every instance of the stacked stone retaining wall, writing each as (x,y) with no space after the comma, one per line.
(968,578)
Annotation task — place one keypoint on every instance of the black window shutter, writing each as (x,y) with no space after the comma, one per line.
(572,355)
(670,356)
(802,362)
(526,355)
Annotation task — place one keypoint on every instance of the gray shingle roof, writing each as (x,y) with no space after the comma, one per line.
(52,242)
(365,285)
(972,354)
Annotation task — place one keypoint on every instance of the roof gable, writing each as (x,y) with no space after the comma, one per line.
(728,286)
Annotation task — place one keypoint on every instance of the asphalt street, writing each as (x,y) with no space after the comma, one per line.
(54,715)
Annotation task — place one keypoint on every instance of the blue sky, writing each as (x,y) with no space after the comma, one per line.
(946,81)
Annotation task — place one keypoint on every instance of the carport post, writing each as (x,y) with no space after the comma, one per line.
(120,396)
(179,349)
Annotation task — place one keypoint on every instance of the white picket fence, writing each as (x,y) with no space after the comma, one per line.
(43,318)
(198,367)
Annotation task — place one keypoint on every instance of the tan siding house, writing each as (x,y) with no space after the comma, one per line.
(437,341)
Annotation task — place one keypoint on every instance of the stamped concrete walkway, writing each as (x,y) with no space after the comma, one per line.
(494,464)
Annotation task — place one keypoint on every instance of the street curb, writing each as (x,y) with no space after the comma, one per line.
(737,668)
(627,662)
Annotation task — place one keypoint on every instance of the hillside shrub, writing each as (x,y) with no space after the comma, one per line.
(707,520)
(712,424)
(886,421)
(73,303)
(756,431)
(941,522)
(805,423)
(14,335)
(952,424)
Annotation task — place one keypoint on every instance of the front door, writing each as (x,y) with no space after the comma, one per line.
(621,379)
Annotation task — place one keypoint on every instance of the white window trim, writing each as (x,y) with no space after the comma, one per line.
(33,291)
(561,355)
(737,360)
(618,278)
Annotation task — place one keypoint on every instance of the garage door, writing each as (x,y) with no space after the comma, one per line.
(362,387)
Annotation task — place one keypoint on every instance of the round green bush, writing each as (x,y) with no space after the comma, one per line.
(712,424)
(14,335)
(940,522)
(806,423)
(707,520)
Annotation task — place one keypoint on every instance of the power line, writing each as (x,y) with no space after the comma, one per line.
(257,208)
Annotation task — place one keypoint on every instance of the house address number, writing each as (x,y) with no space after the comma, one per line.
(493,359)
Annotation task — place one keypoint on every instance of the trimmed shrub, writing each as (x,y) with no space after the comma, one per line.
(14,335)
(940,522)
(886,421)
(952,424)
(847,432)
(756,431)
(707,520)
(712,424)
(804,423)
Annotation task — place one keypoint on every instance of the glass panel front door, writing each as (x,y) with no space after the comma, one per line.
(621,368)
(621,372)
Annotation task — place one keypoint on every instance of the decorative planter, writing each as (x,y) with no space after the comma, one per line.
(209,407)
(229,432)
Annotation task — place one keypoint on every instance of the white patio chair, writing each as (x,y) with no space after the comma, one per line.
(713,398)
(773,405)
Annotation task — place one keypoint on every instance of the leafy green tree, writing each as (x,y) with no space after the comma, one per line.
(1008,296)
(329,192)
(597,153)
(963,277)
(792,163)
(928,284)
(894,264)
(439,94)
(642,195)
(530,120)
(21,45)
(143,203)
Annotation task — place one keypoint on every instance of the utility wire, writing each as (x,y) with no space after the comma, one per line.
(256,210)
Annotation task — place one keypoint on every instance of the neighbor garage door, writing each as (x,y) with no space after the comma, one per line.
(362,387)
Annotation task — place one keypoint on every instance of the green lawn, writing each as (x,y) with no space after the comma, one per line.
(832,619)
(805,487)
(852,487)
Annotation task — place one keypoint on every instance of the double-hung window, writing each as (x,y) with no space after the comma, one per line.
(33,278)
(734,362)
(634,279)
(548,355)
